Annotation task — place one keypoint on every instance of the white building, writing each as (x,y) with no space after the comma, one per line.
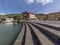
(9,20)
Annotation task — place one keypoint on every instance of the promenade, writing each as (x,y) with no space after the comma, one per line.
(34,33)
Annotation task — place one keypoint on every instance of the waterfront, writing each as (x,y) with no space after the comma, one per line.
(39,33)
(8,32)
(32,32)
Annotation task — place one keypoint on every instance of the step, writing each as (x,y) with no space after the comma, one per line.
(20,37)
(43,39)
(28,40)
(56,32)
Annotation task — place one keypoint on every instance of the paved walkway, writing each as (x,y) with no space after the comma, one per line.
(50,30)
(28,40)
(52,23)
(35,34)
(20,37)
(41,37)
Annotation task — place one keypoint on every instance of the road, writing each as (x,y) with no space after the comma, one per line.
(34,33)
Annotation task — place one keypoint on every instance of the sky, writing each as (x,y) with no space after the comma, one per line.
(34,6)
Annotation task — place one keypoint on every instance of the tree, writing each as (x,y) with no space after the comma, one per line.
(16,17)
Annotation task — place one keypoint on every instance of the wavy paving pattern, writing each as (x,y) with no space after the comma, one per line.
(38,34)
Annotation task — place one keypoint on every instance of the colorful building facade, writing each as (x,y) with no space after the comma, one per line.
(29,16)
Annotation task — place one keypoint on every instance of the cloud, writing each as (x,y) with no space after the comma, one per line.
(43,2)
(46,13)
(29,1)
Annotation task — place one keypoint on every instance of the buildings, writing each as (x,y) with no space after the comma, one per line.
(4,18)
(54,16)
(9,20)
(51,16)
(29,16)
